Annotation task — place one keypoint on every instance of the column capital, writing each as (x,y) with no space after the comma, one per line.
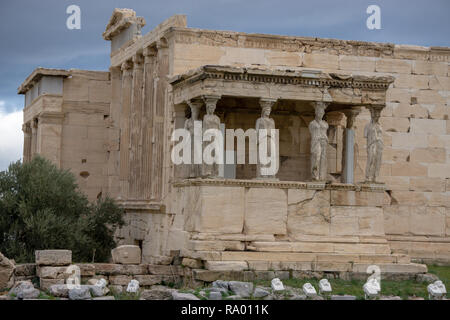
(320,105)
(150,51)
(375,108)
(149,54)
(351,115)
(211,99)
(138,60)
(195,103)
(162,43)
(127,65)
(26,128)
(34,123)
(267,102)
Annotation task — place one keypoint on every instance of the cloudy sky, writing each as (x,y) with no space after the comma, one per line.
(33,33)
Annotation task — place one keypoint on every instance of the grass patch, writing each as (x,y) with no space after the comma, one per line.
(46,296)
(197,293)
(404,289)
(127,296)
(443,272)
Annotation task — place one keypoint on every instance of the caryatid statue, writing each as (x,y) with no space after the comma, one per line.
(210,121)
(319,143)
(267,123)
(194,167)
(374,135)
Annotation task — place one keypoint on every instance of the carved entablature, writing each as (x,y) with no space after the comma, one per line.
(280,184)
(307,44)
(37,75)
(309,85)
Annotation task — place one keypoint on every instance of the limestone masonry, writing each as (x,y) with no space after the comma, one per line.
(328,209)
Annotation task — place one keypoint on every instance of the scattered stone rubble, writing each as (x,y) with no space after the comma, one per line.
(6,272)
(24,290)
(436,290)
(60,278)
(371,288)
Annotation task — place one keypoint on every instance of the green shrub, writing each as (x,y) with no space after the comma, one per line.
(41,207)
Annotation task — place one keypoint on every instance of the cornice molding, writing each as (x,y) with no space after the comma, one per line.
(256,183)
(302,78)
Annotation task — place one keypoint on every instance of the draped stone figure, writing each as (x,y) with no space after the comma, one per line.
(210,121)
(319,142)
(194,168)
(374,135)
(267,123)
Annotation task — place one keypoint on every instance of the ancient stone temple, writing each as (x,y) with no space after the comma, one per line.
(363,146)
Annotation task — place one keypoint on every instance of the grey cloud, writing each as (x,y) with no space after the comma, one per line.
(33,33)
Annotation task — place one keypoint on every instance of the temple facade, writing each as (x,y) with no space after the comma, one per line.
(363,147)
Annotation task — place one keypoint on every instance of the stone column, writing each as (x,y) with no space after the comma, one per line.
(34,129)
(210,121)
(127,79)
(348,151)
(135,127)
(147,121)
(26,128)
(266,123)
(334,150)
(374,135)
(319,143)
(162,70)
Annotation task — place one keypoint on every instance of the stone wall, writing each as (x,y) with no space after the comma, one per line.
(53,267)
(248,225)
(70,128)
(86,99)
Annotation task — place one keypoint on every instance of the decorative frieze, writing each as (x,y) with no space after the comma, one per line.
(270,184)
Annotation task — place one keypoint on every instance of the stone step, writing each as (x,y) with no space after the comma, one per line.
(294,260)
(316,247)
(310,257)
(342,270)
(392,268)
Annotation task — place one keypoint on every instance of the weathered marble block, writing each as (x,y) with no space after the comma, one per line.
(126,254)
(53,257)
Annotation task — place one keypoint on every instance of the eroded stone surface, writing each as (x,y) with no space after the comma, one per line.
(53,257)
(242,289)
(126,254)
(6,272)
(24,290)
(183,296)
(80,293)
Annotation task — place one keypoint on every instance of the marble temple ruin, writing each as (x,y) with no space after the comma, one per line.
(364,146)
